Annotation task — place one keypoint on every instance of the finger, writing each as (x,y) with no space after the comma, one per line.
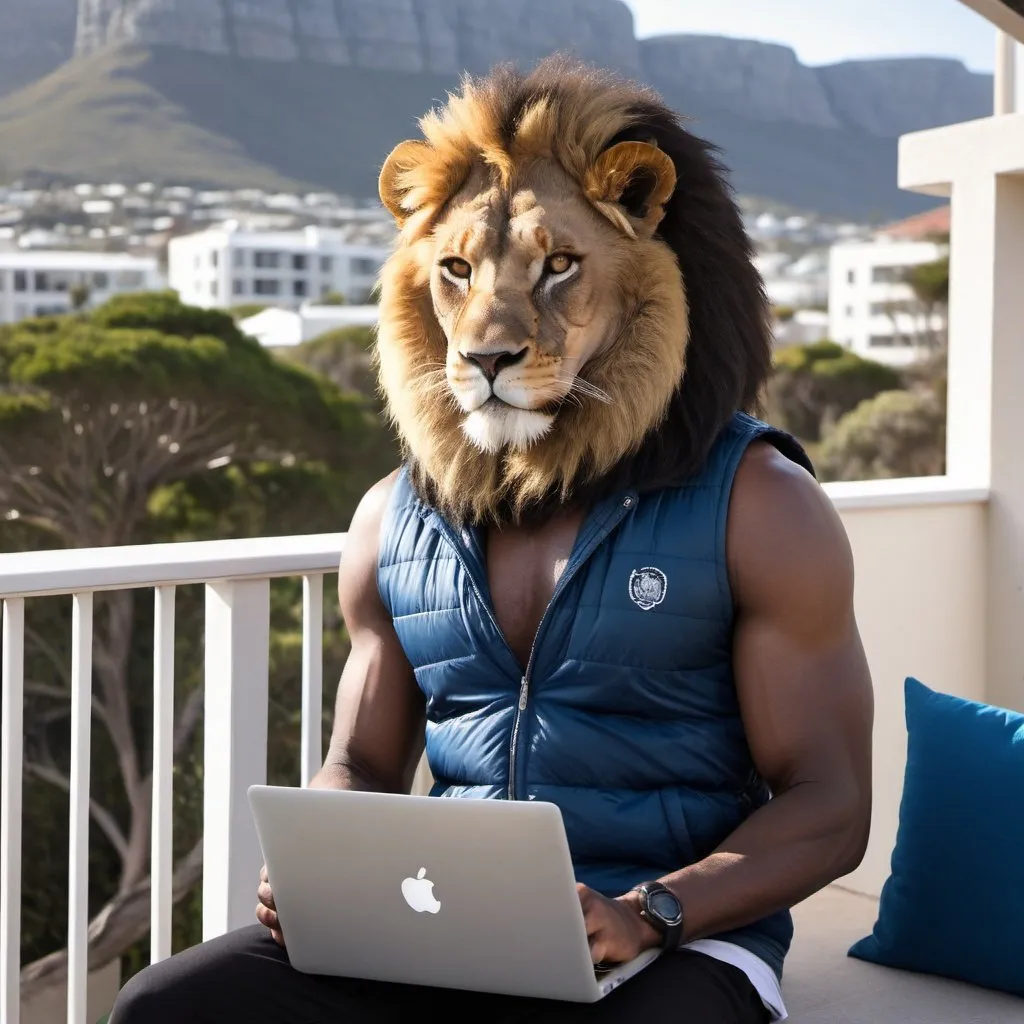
(598,950)
(278,937)
(267,917)
(264,877)
(266,895)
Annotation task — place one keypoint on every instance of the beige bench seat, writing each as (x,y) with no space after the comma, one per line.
(822,985)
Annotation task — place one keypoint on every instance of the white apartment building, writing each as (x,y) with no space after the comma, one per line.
(872,310)
(227,266)
(36,283)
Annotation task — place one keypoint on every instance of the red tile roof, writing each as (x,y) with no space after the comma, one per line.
(922,226)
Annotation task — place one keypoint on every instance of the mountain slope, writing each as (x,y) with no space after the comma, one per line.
(98,119)
(169,114)
(36,36)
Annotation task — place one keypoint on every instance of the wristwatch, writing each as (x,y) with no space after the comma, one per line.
(662,910)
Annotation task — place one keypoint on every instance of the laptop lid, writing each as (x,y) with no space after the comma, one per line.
(469,894)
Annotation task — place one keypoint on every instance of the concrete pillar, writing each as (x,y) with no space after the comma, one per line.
(1005,646)
(1005,76)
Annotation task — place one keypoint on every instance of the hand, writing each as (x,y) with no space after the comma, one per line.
(266,912)
(615,929)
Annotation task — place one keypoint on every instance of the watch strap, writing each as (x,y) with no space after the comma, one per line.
(672,931)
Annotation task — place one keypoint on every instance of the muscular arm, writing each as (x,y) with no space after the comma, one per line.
(377,736)
(806,700)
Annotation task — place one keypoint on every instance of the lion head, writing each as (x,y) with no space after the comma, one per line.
(571,306)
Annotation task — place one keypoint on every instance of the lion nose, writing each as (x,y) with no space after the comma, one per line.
(492,363)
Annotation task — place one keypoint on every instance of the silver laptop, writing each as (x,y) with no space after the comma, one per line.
(468,894)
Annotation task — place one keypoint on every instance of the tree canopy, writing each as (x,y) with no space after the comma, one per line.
(894,434)
(814,385)
(148,420)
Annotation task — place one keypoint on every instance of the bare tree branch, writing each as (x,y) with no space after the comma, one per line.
(33,689)
(191,716)
(124,920)
(104,819)
(57,660)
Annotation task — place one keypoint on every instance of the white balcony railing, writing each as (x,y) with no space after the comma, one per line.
(237,576)
(918,546)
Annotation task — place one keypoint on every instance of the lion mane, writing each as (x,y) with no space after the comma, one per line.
(673,382)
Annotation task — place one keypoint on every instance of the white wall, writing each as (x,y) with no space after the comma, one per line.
(920,605)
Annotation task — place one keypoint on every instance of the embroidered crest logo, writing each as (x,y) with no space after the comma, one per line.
(647,587)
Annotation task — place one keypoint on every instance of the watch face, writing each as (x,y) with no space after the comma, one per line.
(664,905)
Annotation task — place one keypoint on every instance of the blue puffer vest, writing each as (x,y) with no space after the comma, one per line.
(627,716)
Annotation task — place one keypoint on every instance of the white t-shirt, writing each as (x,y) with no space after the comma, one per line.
(761,976)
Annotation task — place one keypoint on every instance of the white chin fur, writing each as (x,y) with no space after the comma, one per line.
(492,429)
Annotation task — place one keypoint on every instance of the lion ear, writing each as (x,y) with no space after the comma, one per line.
(638,179)
(395,182)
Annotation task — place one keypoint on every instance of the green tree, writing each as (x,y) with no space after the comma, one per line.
(149,420)
(246,310)
(930,283)
(332,299)
(79,295)
(894,434)
(814,385)
(344,356)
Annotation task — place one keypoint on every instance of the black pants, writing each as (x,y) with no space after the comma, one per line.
(245,978)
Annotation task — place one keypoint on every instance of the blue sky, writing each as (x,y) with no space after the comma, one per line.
(825,31)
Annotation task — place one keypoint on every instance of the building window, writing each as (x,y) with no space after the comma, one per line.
(849,310)
(890,308)
(101,281)
(326,264)
(239,258)
(882,341)
(300,289)
(886,275)
(42,281)
(214,258)
(261,286)
(266,260)
(130,279)
(365,268)
(238,287)
(215,288)
(300,261)
(325,290)
(3,281)
(851,277)
(20,281)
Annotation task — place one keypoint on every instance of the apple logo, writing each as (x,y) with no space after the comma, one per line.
(419,893)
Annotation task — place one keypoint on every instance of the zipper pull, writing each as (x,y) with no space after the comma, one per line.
(524,691)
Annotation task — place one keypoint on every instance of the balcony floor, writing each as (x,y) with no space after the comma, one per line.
(823,985)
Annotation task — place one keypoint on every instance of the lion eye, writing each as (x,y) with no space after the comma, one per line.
(457,268)
(560,263)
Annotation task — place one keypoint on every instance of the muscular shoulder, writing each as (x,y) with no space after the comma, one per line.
(357,574)
(787,549)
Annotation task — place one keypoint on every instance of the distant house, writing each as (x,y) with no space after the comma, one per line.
(38,283)
(227,266)
(872,308)
(285,328)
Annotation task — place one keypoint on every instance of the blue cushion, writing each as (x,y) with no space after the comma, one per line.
(954,902)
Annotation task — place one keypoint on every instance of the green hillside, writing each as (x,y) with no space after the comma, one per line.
(167,114)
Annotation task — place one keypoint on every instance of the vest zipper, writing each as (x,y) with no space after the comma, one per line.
(571,569)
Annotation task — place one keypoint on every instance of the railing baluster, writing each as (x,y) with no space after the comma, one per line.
(162,853)
(235,748)
(78,875)
(312,675)
(13,710)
